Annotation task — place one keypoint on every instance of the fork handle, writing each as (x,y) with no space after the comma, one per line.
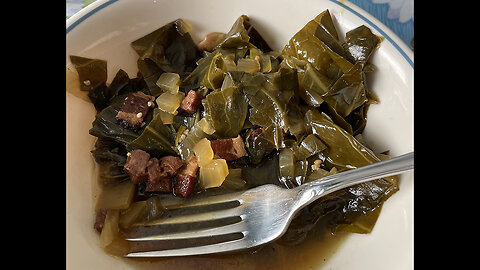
(313,190)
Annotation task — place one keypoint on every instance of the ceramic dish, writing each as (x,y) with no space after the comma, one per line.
(105,29)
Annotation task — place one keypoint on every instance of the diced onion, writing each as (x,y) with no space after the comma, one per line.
(132,214)
(169,102)
(213,174)
(169,82)
(205,126)
(203,151)
(167,118)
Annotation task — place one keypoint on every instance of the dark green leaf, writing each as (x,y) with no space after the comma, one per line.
(167,49)
(310,146)
(226,111)
(244,35)
(91,72)
(157,139)
(348,92)
(269,96)
(106,126)
(360,43)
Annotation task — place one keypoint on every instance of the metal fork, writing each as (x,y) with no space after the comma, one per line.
(261,214)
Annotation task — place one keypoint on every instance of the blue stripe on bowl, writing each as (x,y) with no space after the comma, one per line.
(90,13)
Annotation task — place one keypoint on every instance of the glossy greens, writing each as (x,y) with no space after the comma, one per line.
(300,113)
(91,72)
(167,49)
(157,139)
(226,111)
(105,125)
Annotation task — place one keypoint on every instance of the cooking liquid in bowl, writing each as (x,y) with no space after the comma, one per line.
(311,253)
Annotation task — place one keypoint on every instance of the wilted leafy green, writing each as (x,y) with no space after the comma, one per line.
(91,72)
(167,49)
(157,139)
(226,111)
(316,44)
(200,130)
(269,96)
(243,35)
(348,92)
(215,72)
(360,43)
(263,143)
(310,146)
(313,85)
(105,125)
(121,84)
(344,151)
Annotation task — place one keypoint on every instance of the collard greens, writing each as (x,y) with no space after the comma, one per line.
(300,111)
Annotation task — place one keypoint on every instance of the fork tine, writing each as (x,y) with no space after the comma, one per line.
(208,216)
(215,199)
(199,250)
(223,230)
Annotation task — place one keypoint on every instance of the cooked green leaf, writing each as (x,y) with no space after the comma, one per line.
(313,85)
(244,35)
(286,165)
(157,139)
(348,92)
(360,43)
(167,49)
(91,72)
(317,43)
(102,95)
(226,111)
(106,126)
(344,151)
(310,146)
(215,72)
(269,96)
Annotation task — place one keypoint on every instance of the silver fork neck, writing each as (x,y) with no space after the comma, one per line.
(313,190)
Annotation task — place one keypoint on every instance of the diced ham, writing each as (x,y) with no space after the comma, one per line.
(158,179)
(155,172)
(163,185)
(134,109)
(171,165)
(158,173)
(100,220)
(187,178)
(136,166)
(161,173)
(229,149)
(185,185)
(191,102)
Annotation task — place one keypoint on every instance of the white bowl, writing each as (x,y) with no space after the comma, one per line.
(105,29)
